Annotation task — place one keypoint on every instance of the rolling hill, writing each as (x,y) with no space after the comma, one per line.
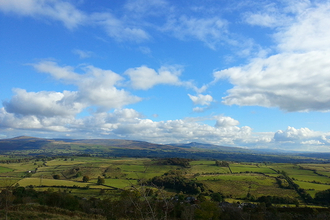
(32,146)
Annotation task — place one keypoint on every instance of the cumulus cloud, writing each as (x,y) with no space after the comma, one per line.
(129,124)
(173,131)
(293,134)
(201,99)
(290,80)
(145,78)
(43,103)
(302,139)
(223,121)
(11,121)
(312,142)
(96,87)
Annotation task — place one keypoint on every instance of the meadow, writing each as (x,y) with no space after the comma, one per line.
(239,181)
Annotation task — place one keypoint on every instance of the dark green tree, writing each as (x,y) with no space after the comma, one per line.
(100,181)
(85,179)
(56,176)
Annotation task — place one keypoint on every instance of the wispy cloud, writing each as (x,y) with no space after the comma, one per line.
(82,54)
(209,30)
(57,10)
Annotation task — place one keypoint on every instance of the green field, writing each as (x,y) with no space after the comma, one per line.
(237,181)
(239,185)
(5,170)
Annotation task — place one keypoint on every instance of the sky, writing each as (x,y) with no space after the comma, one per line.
(245,73)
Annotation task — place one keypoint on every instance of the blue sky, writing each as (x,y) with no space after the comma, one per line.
(252,74)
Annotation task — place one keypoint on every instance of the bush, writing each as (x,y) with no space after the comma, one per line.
(100,181)
(85,179)
(56,176)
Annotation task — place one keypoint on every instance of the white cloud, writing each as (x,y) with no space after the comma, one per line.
(146,7)
(199,109)
(290,80)
(96,87)
(263,19)
(43,103)
(57,10)
(180,131)
(129,124)
(82,54)
(145,78)
(201,99)
(66,73)
(309,32)
(223,121)
(292,134)
(119,29)
(10,122)
(209,30)
(145,50)
(272,14)
(301,139)
(312,142)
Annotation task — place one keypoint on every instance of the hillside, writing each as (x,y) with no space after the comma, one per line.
(32,146)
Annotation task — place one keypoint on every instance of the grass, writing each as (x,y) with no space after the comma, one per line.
(5,170)
(238,168)
(8,181)
(49,182)
(120,183)
(239,185)
(124,172)
(207,168)
(311,178)
(312,188)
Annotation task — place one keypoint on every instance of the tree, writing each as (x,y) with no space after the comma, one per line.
(56,176)
(85,179)
(217,197)
(323,197)
(100,181)
(221,163)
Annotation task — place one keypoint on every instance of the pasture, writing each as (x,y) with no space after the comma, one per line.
(238,181)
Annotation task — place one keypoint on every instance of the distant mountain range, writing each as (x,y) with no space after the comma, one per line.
(33,143)
(33,146)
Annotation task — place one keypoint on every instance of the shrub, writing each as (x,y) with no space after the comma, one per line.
(56,176)
(85,179)
(100,181)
